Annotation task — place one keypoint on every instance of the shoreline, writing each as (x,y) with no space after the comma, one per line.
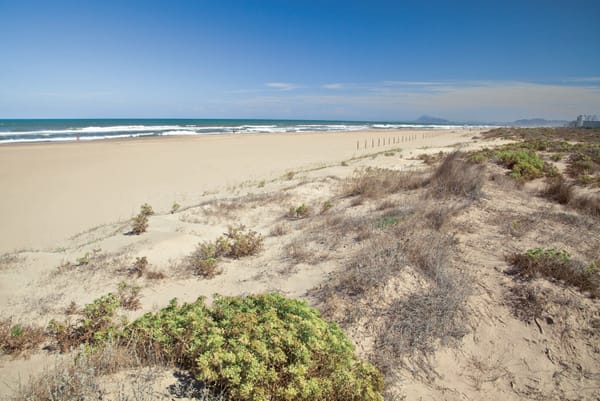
(56,190)
(128,138)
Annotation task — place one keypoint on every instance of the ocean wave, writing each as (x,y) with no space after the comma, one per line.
(94,130)
(117,131)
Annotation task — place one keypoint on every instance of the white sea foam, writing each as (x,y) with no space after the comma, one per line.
(91,133)
(93,130)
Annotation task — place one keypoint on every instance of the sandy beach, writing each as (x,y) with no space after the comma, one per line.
(52,191)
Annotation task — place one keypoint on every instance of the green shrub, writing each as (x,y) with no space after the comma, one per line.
(175,207)
(259,348)
(524,164)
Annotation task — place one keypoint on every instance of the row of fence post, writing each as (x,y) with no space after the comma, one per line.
(394,140)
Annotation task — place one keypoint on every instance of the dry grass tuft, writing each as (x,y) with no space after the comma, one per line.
(279,230)
(370,268)
(558,190)
(456,177)
(374,183)
(588,204)
(155,275)
(79,377)
(299,251)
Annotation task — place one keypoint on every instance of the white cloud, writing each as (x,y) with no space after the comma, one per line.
(333,86)
(455,100)
(284,86)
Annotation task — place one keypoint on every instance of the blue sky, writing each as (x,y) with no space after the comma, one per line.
(358,60)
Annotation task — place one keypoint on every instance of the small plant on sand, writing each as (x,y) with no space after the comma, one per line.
(279,230)
(298,212)
(17,338)
(203,261)
(262,183)
(129,296)
(236,243)
(242,242)
(259,348)
(146,209)
(140,266)
(139,224)
(326,206)
(88,257)
(175,207)
(558,265)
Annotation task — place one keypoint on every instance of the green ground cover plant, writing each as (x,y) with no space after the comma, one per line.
(524,165)
(259,348)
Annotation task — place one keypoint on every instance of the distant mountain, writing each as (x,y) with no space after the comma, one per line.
(539,122)
(431,120)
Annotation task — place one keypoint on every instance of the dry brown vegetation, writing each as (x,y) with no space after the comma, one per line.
(376,183)
(557,265)
(16,339)
(403,241)
(456,177)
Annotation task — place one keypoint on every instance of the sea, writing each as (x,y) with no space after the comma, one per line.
(64,130)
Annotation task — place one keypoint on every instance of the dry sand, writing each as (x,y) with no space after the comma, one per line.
(53,191)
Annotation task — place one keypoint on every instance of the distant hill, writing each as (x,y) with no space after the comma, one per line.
(431,120)
(539,122)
